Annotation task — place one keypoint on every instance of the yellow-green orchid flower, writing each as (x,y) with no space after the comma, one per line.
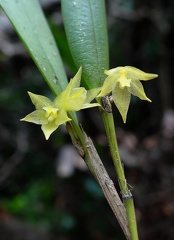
(51,114)
(122,82)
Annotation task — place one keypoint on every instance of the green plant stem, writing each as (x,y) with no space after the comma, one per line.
(126,194)
(130,210)
(86,149)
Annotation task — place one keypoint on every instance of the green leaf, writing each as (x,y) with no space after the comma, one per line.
(85,26)
(29,22)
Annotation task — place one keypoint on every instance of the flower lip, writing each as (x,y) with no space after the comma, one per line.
(51,113)
(123,80)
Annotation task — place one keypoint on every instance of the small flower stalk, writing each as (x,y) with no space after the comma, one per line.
(51,114)
(122,82)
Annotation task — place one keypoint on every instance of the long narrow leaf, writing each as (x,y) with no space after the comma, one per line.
(29,22)
(85,25)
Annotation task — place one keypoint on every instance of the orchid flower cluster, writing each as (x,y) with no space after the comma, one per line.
(121,82)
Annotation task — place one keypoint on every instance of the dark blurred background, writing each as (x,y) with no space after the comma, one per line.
(46,191)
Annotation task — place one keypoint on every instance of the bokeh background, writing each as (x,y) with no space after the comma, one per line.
(46,191)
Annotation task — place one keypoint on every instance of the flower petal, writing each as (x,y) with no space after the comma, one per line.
(48,129)
(74,83)
(40,101)
(90,105)
(77,79)
(91,94)
(78,92)
(73,102)
(136,74)
(62,118)
(137,89)
(121,98)
(108,86)
(113,70)
(59,100)
(37,117)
